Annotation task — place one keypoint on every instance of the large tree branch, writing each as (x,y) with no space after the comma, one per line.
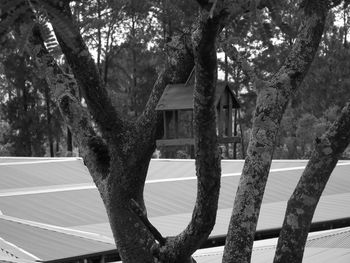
(271,103)
(207,153)
(303,202)
(181,247)
(64,89)
(85,71)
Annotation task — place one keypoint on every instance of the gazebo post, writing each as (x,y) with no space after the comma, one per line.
(235,135)
(229,121)
(221,118)
(176,120)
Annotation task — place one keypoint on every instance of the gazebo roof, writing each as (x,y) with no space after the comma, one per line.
(180,97)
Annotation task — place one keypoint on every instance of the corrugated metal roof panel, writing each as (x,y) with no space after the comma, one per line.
(14,260)
(49,245)
(11,251)
(271,216)
(102,229)
(84,207)
(338,238)
(34,173)
(266,255)
(15,159)
(180,168)
(67,208)
(170,195)
(329,246)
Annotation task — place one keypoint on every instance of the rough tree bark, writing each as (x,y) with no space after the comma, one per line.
(302,204)
(118,161)
(208,167)
(118,156)
(93,147)
(271,102)
(48,119)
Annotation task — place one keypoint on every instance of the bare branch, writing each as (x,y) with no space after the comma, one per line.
(135,207)
(248,70)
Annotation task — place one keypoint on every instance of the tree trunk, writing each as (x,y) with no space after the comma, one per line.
(69,143)
(118,161)
(57,145)
(271,103)
(99,36)
(208,169)
(133,89)
(20,81)
(303,202)
(48,120)
(109,43)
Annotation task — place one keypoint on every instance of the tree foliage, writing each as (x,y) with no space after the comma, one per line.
(108,97)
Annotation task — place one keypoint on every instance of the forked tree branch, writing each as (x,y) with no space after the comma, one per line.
(136,208)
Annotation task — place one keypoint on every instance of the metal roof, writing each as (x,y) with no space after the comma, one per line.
(70,210)
(180,97)
(49,245)
(10,252)
(323,247)
(4,259)
(34,172)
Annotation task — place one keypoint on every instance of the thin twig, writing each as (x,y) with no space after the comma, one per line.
(234,55)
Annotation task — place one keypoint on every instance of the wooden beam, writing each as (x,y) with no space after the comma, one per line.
(166,125)
(175,142)
(234,139)
(192,127)
(176,118)
(235,134)
(229,121)
(220,118)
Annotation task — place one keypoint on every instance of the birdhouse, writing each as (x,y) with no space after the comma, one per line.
(176,104)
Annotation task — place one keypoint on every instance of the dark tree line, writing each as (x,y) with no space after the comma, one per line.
(117,144)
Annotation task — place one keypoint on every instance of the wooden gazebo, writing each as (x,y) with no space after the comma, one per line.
(176,104)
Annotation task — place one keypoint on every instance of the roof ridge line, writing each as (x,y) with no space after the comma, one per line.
(38,162)
(46,189)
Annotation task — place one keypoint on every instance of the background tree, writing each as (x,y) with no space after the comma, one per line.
(22,107)
(117,149)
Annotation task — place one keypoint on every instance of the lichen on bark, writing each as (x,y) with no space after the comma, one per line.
(271,103)
(303,202)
